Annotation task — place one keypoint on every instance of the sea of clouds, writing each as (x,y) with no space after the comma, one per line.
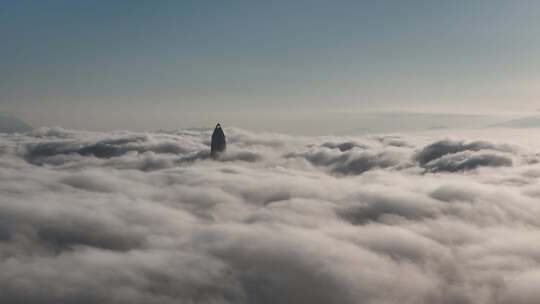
(124,217)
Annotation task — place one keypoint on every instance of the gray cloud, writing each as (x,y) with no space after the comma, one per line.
(452,156)
(350,161)
(40,153)
(344,146)
(462,161)
(127,217)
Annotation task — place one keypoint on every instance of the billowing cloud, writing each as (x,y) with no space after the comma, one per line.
(462,161)
(127,217)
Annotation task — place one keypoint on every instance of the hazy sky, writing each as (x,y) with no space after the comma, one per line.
(264,64)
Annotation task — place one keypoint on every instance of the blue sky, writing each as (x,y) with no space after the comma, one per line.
(264,64)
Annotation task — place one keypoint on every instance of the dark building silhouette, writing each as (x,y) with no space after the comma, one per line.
(219,143)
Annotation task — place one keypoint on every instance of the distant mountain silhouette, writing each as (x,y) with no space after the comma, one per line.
(438,128)
(11,124)
(525,122)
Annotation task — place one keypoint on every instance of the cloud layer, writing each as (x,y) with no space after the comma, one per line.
(126,217)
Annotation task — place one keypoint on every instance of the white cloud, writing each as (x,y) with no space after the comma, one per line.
(150,218)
